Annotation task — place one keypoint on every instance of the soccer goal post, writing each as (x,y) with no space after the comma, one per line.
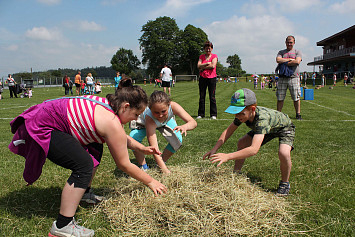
(186,78)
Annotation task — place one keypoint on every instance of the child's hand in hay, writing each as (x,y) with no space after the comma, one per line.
(208,154)
(165,171)
(219,157)
(157,187)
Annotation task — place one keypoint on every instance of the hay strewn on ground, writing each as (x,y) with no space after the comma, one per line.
(201,201)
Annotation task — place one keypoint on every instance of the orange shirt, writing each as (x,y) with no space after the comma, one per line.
(77,79)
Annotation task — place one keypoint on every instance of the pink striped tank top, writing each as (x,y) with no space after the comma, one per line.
(81,119)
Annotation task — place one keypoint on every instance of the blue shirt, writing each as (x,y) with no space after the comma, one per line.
(117,81)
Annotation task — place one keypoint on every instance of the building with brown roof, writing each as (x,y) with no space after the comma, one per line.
(338,54)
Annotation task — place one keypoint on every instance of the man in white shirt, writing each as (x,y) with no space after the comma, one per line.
(165,75)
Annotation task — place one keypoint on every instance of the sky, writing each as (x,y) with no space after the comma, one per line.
(51,34)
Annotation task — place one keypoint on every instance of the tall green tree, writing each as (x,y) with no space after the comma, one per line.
(125,61)
(234,62)
(235,65)
(221,70)
(160,43)
(193,39)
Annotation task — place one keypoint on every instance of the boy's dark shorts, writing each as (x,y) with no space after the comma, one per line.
(286,135)
(77,85)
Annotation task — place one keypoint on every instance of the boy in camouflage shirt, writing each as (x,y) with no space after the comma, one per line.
(265,125)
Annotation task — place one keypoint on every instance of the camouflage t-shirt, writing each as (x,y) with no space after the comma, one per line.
(267,121)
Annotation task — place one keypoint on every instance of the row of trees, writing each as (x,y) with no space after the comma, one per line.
(161,42)
(60,72)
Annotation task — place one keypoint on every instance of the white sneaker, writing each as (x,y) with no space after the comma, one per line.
(199,117)
(92,198)
(214,117)
(72,229)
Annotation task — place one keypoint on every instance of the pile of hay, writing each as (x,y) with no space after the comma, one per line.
(200,201)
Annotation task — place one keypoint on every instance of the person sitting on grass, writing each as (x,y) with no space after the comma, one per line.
(70,131)
(160,115)
(266,124)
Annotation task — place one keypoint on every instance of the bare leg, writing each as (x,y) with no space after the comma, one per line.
(70,200)
(166,155)
(297,105)
(140,157)
(280,104)
(244,142)
(285,162)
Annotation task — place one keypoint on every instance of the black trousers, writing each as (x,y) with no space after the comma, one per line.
(13,91)
(66,151)
(203,84)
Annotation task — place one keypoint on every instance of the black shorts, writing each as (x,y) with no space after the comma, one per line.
(66,151)
(77,85)
(165,84)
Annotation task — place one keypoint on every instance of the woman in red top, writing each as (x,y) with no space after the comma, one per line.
(66,84)
(207,66)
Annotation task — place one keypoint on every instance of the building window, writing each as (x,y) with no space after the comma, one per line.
(341,47)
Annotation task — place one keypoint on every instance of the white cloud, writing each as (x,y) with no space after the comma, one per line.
(256,40)
(347,6)
(51,55)
(254,9)
(278,7)
(90,26)
(296,5)
(42,33)
(49,2)
(174,8)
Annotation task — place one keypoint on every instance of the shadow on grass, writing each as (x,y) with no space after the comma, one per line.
(32,201)
(150,162)
(40,202)
(256,180)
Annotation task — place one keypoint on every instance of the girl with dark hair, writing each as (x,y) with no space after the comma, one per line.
(72,132)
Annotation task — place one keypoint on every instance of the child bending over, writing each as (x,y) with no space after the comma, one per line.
(265,125)
(159,115)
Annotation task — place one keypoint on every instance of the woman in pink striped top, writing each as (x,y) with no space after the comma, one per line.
(70,132)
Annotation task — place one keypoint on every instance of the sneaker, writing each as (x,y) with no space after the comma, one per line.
(284,189)
(92,198)
(214,117)
(144,167)
(72,229)
(199,117)
(298,117)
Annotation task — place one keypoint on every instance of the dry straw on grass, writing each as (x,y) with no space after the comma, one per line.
(200,202)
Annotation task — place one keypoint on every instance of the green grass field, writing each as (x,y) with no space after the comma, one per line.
(322,178)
